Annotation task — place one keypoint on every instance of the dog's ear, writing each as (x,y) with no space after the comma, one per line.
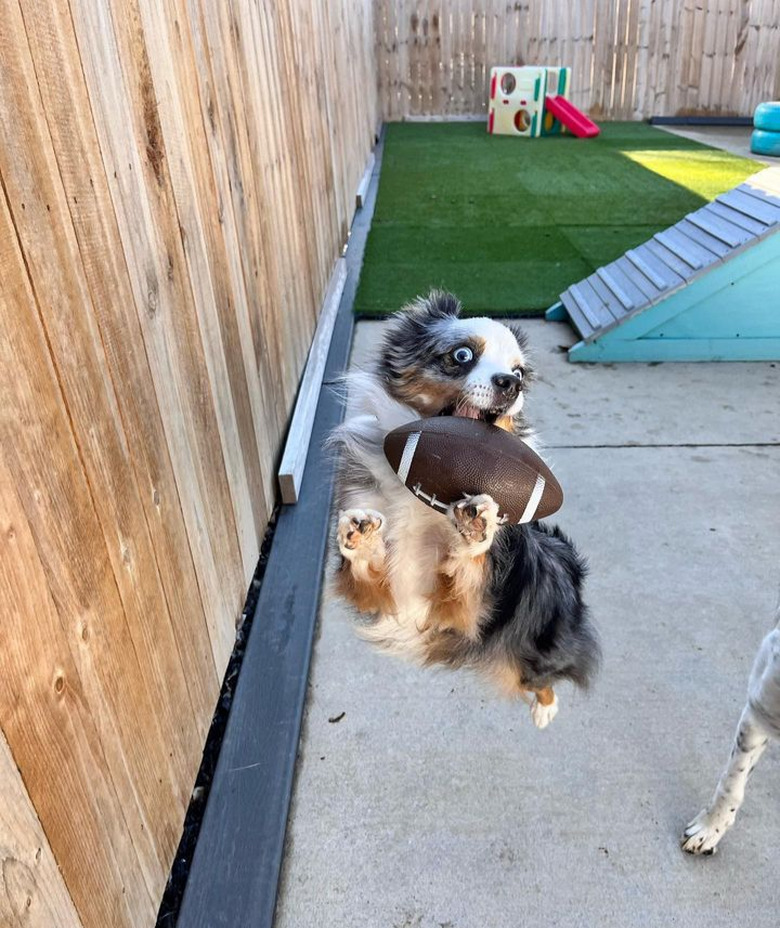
(437,305)
(519,333)
(529,375)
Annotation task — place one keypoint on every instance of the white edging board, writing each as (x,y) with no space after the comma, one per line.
(297,447)
(362,190)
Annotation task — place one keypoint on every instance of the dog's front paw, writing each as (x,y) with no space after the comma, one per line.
(476,519)
(359,530)
(541,714)
(704,832)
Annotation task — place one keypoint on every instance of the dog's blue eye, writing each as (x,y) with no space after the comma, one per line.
(518,372)
(463,354)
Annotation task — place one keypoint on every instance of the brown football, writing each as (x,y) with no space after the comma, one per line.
(443,459)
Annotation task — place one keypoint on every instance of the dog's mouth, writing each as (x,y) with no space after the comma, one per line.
(469,411)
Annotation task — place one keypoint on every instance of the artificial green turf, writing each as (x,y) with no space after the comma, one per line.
(507,223)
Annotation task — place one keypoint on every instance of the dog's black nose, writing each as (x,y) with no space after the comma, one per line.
(508,384)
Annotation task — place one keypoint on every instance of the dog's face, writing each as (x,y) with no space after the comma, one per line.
(440,364)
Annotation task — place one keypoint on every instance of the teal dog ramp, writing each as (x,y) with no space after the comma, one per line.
(705,289)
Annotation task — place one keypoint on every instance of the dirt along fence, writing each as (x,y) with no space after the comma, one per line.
(631,59)
(177,182)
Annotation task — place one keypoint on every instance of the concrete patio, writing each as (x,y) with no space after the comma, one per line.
(423,801)
(735,139)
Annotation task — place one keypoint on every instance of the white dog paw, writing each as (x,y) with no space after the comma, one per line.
(543,715)
(703,833)
(359,529)
(476,518)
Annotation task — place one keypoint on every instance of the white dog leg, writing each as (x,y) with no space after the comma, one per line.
(705,831)
(760,720)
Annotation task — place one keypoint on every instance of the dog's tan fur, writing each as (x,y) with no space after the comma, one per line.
(368,589)
(457,598)
(363,578)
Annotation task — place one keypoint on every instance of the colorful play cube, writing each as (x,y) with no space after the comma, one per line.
(516,104)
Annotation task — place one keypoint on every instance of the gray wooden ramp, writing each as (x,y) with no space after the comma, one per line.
(674,258)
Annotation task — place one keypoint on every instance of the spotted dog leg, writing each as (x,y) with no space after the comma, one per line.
(705,831)
(760,721)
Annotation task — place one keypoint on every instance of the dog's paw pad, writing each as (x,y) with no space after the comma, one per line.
(543,715)
(357,526)
(475,517)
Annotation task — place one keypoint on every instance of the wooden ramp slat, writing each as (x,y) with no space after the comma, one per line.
(589,305)
(669,258)
(769,199)
(629,286)
(645,269)
(610,281)
(754,226)
(580,321)
(715,225)
(653,268)
(637,285)
(751,206)
(703,239)
(616,309)
(684,247)
(605,310)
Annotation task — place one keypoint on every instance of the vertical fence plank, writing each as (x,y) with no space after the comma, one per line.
(33,893)
(233,117)
(643,53)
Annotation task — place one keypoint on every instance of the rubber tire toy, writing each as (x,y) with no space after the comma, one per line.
(763,142)
(767,116)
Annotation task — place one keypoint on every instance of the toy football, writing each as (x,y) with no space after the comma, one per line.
(443,459)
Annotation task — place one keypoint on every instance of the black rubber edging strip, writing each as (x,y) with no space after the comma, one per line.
(180,869)
(234,877)
(701,121)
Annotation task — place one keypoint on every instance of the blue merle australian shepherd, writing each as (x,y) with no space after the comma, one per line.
(459,589)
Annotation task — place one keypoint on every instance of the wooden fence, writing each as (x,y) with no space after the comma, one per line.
(178,177)
(631,59)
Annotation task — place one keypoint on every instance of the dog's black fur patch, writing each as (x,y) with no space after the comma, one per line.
(537,622)
(538,616)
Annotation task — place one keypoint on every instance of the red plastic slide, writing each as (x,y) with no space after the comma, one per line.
(575,120)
